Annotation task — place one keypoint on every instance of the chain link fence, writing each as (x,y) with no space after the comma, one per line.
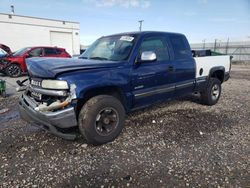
(239,50)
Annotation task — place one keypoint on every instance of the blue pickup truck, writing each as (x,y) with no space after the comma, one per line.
(117,74)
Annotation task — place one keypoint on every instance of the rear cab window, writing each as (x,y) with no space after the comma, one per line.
(180,46)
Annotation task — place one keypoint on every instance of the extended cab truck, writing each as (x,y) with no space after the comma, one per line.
(114,76)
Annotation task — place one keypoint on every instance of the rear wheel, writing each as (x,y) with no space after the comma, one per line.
(101,119)
(212,93)
(13,70)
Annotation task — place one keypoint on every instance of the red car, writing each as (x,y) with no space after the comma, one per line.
(15,64)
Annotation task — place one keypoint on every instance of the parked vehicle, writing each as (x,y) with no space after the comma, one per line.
(116,75)
(5,48)
(14,65)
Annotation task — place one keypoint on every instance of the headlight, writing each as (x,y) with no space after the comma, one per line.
(55,84)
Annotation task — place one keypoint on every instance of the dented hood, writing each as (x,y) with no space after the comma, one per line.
(51,67)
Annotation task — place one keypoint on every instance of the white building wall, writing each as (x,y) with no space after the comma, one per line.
(21,31)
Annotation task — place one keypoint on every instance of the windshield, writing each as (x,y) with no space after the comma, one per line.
(21,51)
(112,48)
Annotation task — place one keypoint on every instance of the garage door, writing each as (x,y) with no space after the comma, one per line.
(63,40)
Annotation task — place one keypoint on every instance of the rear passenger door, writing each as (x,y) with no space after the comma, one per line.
(184,64)
(153,81)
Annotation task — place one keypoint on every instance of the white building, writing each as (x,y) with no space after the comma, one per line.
(23,31)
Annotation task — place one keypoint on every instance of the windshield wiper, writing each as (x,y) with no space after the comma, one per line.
(98,58)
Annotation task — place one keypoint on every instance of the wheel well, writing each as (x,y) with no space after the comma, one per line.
(14,63)
(219,74)
(110,90)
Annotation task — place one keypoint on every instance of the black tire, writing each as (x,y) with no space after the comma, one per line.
(212,93)
(101,119)
(13,70)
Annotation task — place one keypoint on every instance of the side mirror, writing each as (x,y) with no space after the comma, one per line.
(148,56)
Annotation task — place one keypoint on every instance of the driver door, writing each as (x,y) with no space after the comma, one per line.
(153,81)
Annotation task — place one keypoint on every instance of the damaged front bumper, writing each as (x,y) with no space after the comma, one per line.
(51,121)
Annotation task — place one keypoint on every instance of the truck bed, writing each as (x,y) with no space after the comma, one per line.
(209,62)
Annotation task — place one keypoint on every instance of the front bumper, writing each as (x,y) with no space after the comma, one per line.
(50,121)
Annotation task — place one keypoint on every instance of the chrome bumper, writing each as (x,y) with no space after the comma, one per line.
(50,121)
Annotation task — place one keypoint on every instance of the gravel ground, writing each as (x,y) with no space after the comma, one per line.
(11,83)
(180,143)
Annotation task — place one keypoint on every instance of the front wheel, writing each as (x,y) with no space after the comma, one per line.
(101,119)
(14,70)
(212,93)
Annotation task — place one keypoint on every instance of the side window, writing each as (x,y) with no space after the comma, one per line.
(37,52)
(58,51)
(181,50)
(157,45)
(50,51)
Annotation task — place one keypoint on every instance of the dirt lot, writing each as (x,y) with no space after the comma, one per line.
(181,143)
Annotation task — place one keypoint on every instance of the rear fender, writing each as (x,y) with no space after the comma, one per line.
(217,72)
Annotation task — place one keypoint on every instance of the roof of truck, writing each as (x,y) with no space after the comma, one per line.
(146,32)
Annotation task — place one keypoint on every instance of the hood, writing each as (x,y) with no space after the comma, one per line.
(5,48)
(51,67)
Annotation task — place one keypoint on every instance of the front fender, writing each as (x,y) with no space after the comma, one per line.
(99,78)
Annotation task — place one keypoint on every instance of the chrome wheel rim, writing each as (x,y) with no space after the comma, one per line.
(106,121)
(215,92)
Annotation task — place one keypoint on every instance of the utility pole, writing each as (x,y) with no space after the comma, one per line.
(204,43)
(140,27)
(215,43)
(227,45)
(12,9)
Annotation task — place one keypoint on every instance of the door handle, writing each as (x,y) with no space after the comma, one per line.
(170,68)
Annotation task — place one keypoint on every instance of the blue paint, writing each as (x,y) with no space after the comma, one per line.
(141,84)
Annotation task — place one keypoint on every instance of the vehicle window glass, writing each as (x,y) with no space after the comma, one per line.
(58,51)
(156,45)
(37,52)
(21,51)
(113,48)
(181,50)
(50,51)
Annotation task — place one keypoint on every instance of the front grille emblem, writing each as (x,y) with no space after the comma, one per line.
(36,83)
